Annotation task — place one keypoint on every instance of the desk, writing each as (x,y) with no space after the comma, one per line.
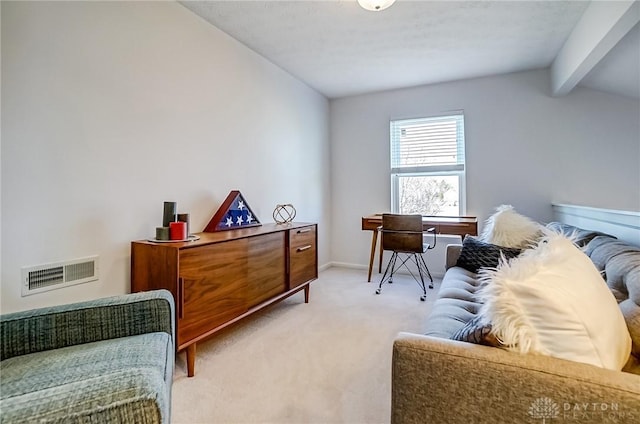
(454,225)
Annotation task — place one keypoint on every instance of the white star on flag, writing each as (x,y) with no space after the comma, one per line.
(249,218)
(229,222)
(239,222)
(240,204)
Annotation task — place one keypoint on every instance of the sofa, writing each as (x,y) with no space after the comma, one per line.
(103,361)
(439,380)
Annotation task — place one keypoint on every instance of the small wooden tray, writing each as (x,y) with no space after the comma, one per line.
(190,238)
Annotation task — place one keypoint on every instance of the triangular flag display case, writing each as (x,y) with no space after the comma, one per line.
(234,213)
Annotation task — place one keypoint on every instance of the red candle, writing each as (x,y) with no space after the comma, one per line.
(178,230)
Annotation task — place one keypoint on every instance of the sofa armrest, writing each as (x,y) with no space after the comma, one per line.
(453,253)
(54,327)
(440,380)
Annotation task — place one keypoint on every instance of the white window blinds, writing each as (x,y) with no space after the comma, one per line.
(427,144)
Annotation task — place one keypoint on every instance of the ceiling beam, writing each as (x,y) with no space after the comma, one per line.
(602,25)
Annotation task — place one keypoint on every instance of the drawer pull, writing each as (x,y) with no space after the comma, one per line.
(303,248)
(306,230)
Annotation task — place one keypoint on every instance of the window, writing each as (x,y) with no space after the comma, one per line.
(427,166)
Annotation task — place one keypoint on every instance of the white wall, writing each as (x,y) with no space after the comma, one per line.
(111,108)
(523,148)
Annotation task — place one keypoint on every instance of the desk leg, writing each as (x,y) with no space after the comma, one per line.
(374,240)
(380,261)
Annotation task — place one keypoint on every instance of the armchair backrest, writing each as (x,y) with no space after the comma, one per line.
(54,327)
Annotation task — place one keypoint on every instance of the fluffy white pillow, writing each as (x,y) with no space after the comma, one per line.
(553,301)
(508,228)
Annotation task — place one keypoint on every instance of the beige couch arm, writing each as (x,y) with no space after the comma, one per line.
(439,380)
(453,253)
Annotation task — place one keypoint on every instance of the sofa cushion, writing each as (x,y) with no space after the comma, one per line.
(508,228)
(619,263)
(579,236)
(456,303)
(118,380)
(476,254)
(552,300)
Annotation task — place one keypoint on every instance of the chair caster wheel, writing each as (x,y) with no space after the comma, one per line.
(378,291)
(430,286)
(423,298)
(390,281)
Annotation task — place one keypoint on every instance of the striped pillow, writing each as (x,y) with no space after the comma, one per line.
(476,331)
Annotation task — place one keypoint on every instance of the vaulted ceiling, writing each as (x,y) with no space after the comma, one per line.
(341,49)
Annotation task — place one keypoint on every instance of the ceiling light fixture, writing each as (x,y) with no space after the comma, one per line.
(375,5)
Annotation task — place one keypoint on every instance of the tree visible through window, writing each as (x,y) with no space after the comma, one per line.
(427,165)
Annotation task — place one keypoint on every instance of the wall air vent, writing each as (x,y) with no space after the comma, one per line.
(40,278)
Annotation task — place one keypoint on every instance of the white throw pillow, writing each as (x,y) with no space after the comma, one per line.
(508,228)
(552,300)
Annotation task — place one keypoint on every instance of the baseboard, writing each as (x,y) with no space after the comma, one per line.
(346,265)
(325,267)
(366,267)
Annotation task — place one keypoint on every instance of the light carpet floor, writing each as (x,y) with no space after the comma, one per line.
(328,361)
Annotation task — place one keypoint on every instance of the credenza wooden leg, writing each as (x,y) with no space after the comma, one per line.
(374,240)
(191,360)
(306,294)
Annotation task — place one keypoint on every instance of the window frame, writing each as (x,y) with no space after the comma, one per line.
(458,169)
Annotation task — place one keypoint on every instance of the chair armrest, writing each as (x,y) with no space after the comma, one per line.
(453,253)
(54,327)
(441,380)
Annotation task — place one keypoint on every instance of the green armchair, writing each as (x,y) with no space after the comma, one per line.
(106,360)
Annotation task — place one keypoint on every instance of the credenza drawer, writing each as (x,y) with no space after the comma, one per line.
(303,257)
(301,237)
(456,229)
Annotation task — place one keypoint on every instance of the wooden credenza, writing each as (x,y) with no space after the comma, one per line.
(226,276)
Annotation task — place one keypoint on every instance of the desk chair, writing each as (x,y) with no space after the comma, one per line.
(403,234)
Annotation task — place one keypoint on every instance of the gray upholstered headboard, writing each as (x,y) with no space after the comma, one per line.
(625,225)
